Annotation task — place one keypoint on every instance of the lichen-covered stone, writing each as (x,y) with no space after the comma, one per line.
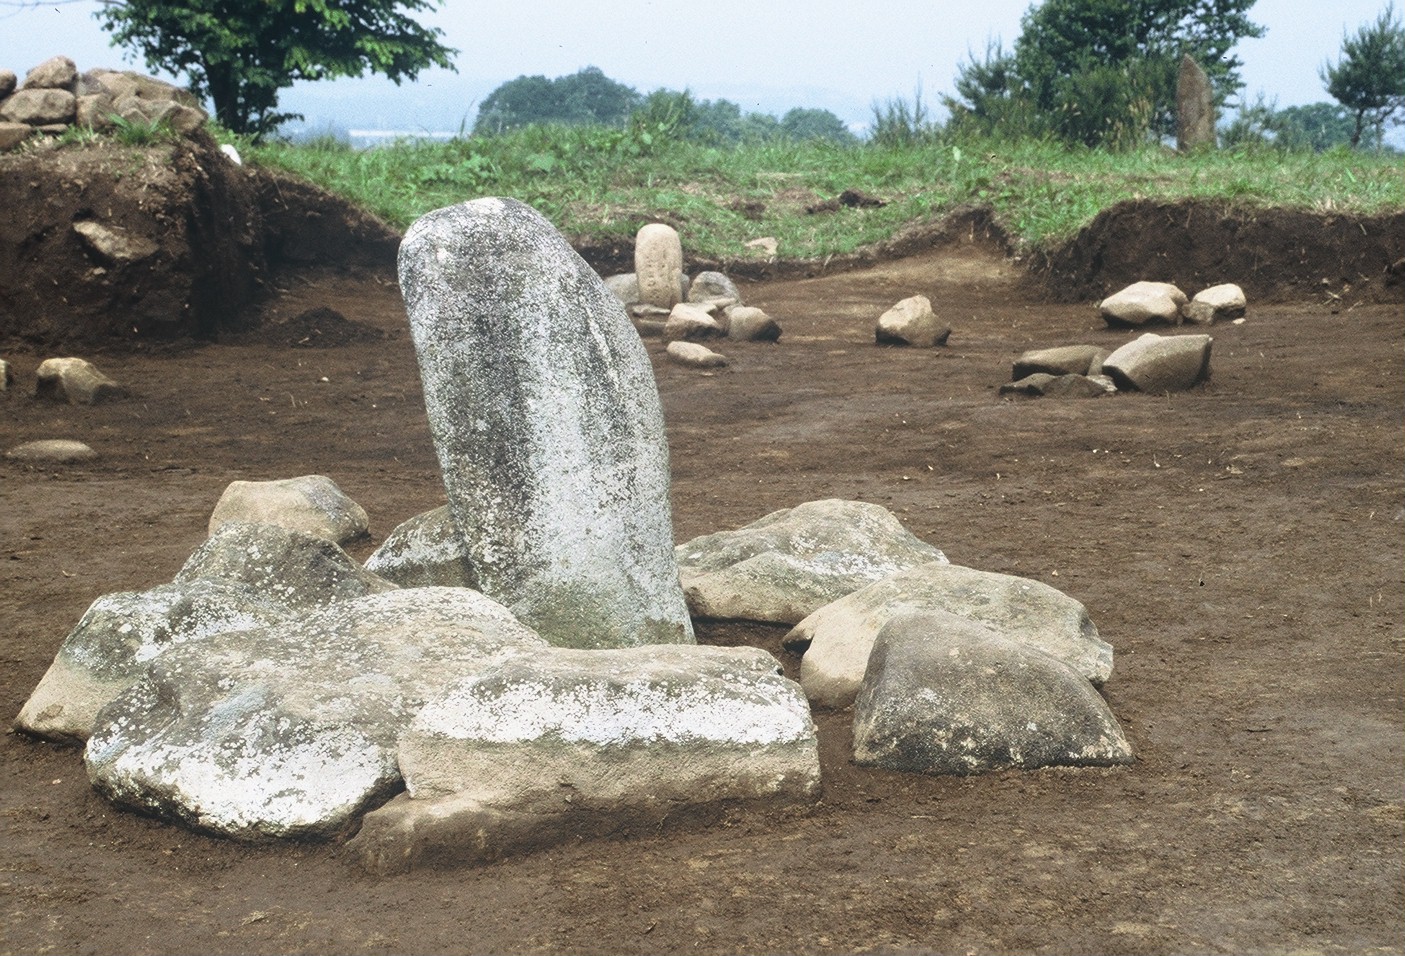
(424,551)
(790,563)
(121,634)
(945,695)
(300,570)
(838,638)
(291,730)
(547,422)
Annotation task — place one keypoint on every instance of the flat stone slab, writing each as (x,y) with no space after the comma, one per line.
(290,731)
(560,735)
(60,451)
(838,638)
(945,695)
(792,562)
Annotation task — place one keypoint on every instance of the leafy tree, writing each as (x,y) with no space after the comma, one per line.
(805,123)
(1369,80)
(1101,71)
(587,96)
(1317,127)
(240,53)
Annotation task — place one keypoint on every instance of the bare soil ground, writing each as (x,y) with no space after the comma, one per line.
(1240,545)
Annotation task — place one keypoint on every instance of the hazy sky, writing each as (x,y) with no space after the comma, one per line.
(766,55)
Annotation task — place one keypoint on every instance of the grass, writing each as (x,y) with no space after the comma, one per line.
(599,184)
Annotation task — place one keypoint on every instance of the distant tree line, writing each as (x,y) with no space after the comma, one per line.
(590,97)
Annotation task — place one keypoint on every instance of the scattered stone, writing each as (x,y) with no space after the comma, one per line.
(177,116)
(120,635)
(232,153)
(312,504)
(75,381)
(425,551)
(55,73)
(766,245)
(1143,302)
(658,264)
(12,134)
(568,737)
(1055,386)
(650,328)
(625,287)
(1155,363)
(839,636)
(911,322)
(296,569)
(748,324)
(1215,304)
(59,451)
(8,81)
(1195,107)
(39,107)
(792,562)
(714,287)
(7,376)
(1063,360)
(113,244)
(547,422)
(944,695)
(694,355)
(130,83)
(290,730)
(691,323)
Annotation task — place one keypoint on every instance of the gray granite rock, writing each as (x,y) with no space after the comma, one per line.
(75,381)
(291,730)
(424,551)
(292,568)
(1216,304)
(911,322)
(1158,364)
(1062,360)
(547,422)
(312,504)
(567,739)
(121,634)
(748,324)
(693,355)
(1143,303)
(788,564)
(945,695)
(838,637)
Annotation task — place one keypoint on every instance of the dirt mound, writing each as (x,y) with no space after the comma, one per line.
(110,244)
(318,328)
(1273,254)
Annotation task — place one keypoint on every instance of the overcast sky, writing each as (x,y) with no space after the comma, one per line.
(766,56)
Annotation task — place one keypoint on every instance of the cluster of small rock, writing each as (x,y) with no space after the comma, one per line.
(1150,363)
(521,663)
(55,97)
(663,302)
(74,381)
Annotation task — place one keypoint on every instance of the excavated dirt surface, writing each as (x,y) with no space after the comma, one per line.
(1240,545)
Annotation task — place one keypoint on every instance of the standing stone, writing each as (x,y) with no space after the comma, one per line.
(544,412)
(1195,107)
(658,264)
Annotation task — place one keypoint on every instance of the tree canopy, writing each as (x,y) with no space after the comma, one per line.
(587,96)
(1369,79)
(240,53)
(1101,71)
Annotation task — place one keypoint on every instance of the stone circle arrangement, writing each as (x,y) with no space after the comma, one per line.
(519,666)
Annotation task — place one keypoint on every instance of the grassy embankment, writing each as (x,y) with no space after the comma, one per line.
(599,184)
